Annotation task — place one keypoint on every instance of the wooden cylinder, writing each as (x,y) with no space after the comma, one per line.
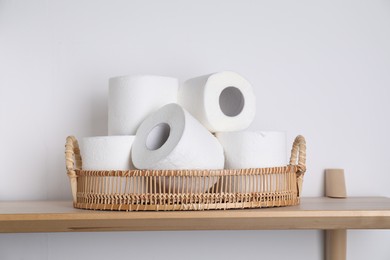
(335,183)
(336,244)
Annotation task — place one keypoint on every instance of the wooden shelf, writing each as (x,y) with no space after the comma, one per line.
(312,213)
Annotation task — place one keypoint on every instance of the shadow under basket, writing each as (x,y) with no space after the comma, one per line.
(165,190)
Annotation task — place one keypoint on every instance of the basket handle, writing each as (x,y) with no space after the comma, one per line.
(298,152)
(73,163)
(298,157)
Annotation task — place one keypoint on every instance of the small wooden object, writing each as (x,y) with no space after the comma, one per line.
(335,183)
(335,240)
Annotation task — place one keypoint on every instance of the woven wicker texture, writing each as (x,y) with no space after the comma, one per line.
(135,190)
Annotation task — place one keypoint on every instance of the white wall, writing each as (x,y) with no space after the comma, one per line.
(319,68)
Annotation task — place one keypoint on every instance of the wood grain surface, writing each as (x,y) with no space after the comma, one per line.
(312,213)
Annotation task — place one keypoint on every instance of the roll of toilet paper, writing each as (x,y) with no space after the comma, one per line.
(253,149)
(172,139)
(106,152)
(221,101)
(132,98)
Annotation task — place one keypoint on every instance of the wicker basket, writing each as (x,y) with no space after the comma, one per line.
(156,190)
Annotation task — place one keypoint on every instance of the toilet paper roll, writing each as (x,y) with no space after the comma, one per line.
(133,98)
(107,152)
(253,149)
(173,139)
(221,101)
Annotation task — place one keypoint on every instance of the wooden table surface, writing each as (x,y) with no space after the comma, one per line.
(312,213)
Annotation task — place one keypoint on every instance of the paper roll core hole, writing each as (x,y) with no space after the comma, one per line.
(231,101)
(158,136)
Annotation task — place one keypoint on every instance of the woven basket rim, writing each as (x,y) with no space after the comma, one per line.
(189,172)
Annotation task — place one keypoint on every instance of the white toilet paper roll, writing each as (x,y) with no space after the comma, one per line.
(221,101)
(253,149)
(106,152)
(172,139)
(133,98)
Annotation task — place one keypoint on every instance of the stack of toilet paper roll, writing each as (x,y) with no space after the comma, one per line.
(155,124)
